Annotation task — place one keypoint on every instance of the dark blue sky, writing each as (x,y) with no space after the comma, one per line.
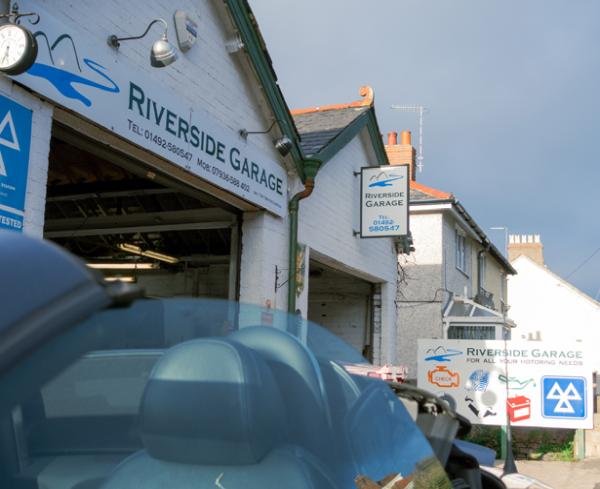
(512,91)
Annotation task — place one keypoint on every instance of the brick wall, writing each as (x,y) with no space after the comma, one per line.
(265,245)
(207,76)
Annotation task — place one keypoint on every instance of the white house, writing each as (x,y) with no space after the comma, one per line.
(544,305)
(453,285)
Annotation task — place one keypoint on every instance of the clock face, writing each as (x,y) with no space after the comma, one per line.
(17,49)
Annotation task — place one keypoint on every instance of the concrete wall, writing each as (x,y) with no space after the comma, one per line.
(547,308)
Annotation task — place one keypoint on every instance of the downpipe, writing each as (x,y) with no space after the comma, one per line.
(294,206)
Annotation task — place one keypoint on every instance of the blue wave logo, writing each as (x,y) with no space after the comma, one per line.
(383,179)
(440,354)
(65,81)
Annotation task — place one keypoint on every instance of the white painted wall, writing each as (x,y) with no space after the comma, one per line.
(545,307)
(207,76)
(265,244)
(426,229)
(327,221)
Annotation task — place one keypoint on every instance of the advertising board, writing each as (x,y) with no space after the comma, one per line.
(15,141)
(530,383)
(105,87)
(384,201)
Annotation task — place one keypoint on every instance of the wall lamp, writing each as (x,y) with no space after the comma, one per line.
(283,144)
(162,54)
(234,44)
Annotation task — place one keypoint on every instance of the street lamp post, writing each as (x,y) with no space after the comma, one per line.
(510,467)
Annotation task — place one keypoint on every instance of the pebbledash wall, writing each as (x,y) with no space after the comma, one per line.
(225,86)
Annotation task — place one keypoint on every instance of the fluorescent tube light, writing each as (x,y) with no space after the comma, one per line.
(136,250)
(123,266)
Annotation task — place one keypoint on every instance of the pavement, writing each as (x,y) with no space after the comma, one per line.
(563,475)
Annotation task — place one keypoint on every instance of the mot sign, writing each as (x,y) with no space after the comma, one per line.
(15,141)
(529,383)
(384,201)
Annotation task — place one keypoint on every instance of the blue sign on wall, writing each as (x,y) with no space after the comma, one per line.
(564,397)
(15,141)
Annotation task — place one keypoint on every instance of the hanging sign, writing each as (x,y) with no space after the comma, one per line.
(384,201)
(528,383)
(104,86)
(15,140)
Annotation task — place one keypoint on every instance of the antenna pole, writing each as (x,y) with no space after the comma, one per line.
(420,110)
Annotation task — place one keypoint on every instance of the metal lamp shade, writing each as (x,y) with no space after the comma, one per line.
(163,53)
(283,145)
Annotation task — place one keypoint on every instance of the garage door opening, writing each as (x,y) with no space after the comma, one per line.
(135,225)
(343,304)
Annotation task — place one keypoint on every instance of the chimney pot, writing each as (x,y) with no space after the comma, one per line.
(405,137)
(529,245)
(392,138)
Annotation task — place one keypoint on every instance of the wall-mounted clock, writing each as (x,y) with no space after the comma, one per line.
(18,49)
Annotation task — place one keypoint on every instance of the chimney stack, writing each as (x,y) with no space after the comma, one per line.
(403,153)
(529,245)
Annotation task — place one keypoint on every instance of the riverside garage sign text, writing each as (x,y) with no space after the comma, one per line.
(109,90)
(384,201)
(233,165)
(529,356)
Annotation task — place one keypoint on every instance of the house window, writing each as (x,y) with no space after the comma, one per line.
(482,271)
(471,333)
(461,251)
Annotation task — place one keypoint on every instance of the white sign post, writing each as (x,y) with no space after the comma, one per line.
(384,201)
(530,383)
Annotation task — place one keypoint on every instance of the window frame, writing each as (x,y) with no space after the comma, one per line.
(482,271)
(460,245)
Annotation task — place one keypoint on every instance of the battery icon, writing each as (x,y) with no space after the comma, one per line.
(518,408)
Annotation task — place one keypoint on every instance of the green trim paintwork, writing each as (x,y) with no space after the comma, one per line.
(253,44)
